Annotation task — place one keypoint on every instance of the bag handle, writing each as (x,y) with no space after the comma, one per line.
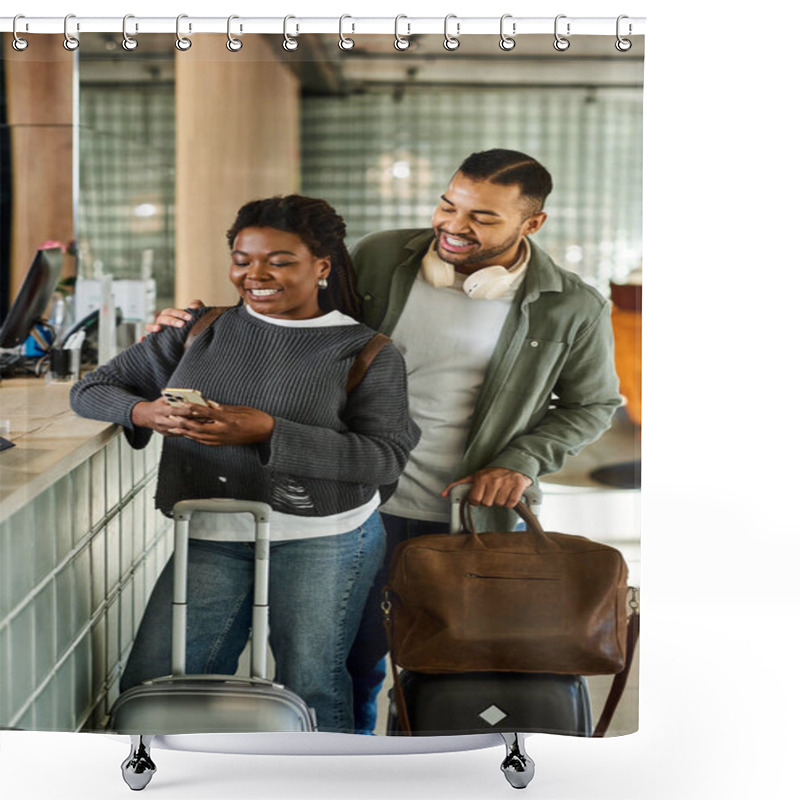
(532,524)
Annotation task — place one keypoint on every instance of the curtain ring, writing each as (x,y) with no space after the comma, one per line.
(623,45)
(18,44)
(183,43)
(561,44)
(128,42)
(345,43)
(233,44)
(400,42)
(451,42)
(70,42)
(506,42)
(289,43)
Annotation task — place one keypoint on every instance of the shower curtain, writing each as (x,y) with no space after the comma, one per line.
(164,147)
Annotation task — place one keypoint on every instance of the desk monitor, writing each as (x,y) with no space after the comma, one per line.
(33,298)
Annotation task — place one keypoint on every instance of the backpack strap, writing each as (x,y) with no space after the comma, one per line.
(204,322)
(364,359)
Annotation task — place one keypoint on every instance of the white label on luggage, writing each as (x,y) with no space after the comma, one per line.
(493,715)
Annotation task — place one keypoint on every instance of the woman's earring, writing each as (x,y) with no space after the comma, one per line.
(322,283)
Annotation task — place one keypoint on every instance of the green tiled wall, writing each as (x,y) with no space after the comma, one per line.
(76,567)
(127,164)
(382,159)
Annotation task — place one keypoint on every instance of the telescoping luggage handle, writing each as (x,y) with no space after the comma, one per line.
(182,513)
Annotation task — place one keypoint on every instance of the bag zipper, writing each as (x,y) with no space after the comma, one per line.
(509,577)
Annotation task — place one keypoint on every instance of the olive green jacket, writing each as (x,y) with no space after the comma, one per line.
(550,388)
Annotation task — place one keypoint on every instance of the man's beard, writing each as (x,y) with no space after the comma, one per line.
(478,258)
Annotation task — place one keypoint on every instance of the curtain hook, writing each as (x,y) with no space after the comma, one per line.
(233,44)
(451,42)
(401,42)
(70,42)
(129,42)
(18,44)
(561,44)
(345,43)
(507,42)
(183,43)
(623,45)
(289,43)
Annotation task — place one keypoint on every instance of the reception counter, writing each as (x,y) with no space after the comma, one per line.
(80,548)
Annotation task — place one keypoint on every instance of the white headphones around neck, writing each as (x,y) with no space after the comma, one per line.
(488,283)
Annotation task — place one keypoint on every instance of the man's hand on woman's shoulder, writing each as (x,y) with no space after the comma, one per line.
(175,317)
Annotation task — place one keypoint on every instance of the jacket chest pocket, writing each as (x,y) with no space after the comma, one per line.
(537,369)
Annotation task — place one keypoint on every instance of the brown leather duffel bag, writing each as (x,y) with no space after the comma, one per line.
(507,602)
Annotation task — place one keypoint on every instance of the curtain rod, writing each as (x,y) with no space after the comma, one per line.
(506,26)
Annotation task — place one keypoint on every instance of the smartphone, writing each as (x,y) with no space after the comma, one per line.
(179,397)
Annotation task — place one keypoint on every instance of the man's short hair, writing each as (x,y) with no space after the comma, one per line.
(510,167)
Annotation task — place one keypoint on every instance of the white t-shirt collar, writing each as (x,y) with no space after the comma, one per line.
(329,320)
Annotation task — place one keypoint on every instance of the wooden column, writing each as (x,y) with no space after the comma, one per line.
(39,84)
(238,139)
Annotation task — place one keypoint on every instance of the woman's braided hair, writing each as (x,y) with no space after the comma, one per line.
(322,231)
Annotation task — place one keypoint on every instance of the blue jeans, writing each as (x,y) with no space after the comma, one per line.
(317,592)
(367,660)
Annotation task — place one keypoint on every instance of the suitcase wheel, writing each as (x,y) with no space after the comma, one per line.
(517,766)
(138,768)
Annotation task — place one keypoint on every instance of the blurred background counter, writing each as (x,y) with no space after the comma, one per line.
(80,548)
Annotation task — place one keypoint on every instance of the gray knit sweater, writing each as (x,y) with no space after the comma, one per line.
(329,450)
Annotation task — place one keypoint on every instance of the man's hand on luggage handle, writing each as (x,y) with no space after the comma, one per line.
(176,317)
(494,486)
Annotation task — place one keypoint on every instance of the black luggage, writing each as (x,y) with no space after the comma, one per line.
(502,702)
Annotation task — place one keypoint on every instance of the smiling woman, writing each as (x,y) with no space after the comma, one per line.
(284,250)
(281,427)
(276,274)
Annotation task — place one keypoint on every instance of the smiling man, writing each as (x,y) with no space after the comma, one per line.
(509,357)
(510,361)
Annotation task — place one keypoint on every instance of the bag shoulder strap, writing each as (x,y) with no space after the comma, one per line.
(620,679)
(204,322)
(364,359)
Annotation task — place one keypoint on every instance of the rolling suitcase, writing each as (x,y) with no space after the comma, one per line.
(193,704)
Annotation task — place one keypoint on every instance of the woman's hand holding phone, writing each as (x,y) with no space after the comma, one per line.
(162,417)
(185,412)
(224,425)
